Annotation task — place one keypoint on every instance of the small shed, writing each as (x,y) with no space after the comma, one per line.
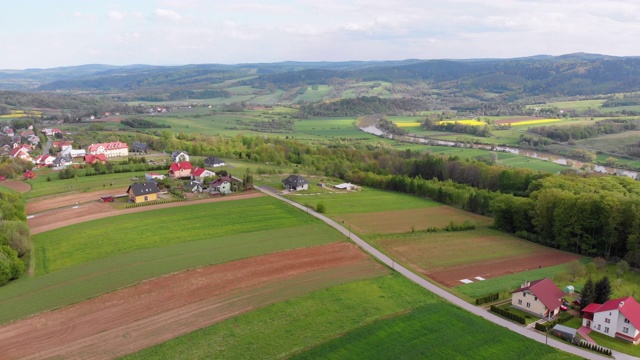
(106,198)
(569,289)
(564,332)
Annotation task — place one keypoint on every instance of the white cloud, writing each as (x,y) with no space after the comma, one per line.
(168,15)
(116,15)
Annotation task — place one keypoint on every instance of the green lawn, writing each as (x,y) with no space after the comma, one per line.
(42,187)
(507,283)
(370,319)
(80,243)
(615,344)
(367,200)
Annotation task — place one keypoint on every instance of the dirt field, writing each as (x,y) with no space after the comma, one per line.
(62,217)
(53,202)
(451,277)
(389,222)
(18,186)
(152,312)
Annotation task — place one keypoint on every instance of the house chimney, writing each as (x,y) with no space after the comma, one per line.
(621,303)
(525,284)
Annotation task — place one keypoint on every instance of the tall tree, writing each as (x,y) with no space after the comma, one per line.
(603,290)
(588,293)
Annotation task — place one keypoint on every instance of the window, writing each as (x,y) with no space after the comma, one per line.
(607,320)
(524,294)
(626,321)
(535,298)
(528,305)
(519,301)
(606,329)
(625,330)
(598,326)
(146,198)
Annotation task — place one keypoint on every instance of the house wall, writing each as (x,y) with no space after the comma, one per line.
(526,301)
(141,198)
(606,322)
(224,188)
(622,326)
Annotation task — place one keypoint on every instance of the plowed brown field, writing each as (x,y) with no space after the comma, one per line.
(155,311)
(18,186)
(56,201)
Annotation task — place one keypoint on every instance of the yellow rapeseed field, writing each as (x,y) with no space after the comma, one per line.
(20,113)
(408,124)
(534,122)
(463,122)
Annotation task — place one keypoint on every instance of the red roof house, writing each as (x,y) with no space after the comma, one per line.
(180,170)
(618,318)
(29,175)
(541,297)
(20,153)
(92,159)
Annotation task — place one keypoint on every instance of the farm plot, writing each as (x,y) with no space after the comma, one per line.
(15,185)
(454,258)
(399,221)
(130,319)
(52,202)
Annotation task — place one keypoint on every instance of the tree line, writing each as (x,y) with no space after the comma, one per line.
(14,236)
(586,131)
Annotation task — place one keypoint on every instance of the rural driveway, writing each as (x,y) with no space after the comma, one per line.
(446,295)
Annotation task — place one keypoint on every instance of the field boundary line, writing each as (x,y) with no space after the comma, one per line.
(444,294)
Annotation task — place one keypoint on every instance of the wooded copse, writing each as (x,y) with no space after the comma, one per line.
(14,237)
(586,131)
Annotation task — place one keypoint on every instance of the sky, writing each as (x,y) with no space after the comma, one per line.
(52,33)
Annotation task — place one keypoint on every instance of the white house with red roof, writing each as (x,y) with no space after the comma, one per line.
(541,297)
(199,173)
(618,318)
(44,160)
(180,170)
(110,149)
(20,153)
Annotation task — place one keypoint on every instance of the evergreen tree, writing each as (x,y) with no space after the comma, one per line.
(603,290)
(588,293)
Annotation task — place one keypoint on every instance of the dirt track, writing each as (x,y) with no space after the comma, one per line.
(16,185)
(133,318)
(54,202)
(91,211)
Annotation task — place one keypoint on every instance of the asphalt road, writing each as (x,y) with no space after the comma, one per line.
(446,295)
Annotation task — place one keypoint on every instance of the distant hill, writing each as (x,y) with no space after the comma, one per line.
(566,75)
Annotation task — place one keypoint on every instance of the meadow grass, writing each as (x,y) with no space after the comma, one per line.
(615,344)
(432,332)
(41,187)
(76,244)
(367,200)
(505,284)
(311,325)
(578,105)
(30,295)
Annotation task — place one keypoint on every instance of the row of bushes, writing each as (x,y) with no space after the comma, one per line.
(488,298)
(594,347)
(509,315)
(564,317)
(157,202)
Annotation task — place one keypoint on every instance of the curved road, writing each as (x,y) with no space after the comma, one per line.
(446,295)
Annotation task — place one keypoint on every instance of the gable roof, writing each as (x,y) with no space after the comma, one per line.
(93,158)
(544,289)
(198,171)
(108,146)
(176,153)
(628,306)
(221,180)
(213,160)
(139,145)
(149,187)
(183,165)
(295,180)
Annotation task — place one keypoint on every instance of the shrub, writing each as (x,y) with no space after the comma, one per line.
(507,314)
(321,207)
(488,298)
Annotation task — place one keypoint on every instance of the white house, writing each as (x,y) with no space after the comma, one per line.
(541,297)
(618,318)
(200,173)
(179,156)
(111,149)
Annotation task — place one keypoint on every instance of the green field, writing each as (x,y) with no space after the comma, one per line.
(615,344)
(41,187)
(367,200)
(353,311)
(87,271)
(84,242)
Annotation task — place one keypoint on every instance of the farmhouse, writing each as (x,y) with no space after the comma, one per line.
(617,318)
(179,156)
(295,182)
(20,153)
(193,186)
(541,297)
(111,149)
(139,193)
(62,145)
(139,147)
(222,185)
(199,173)
(29,175)
(214,161)
(94,159)
(44,160)
(60,162)
(180,170)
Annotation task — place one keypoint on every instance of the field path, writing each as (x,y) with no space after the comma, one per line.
(446,295)
(58,218)
(161,309)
